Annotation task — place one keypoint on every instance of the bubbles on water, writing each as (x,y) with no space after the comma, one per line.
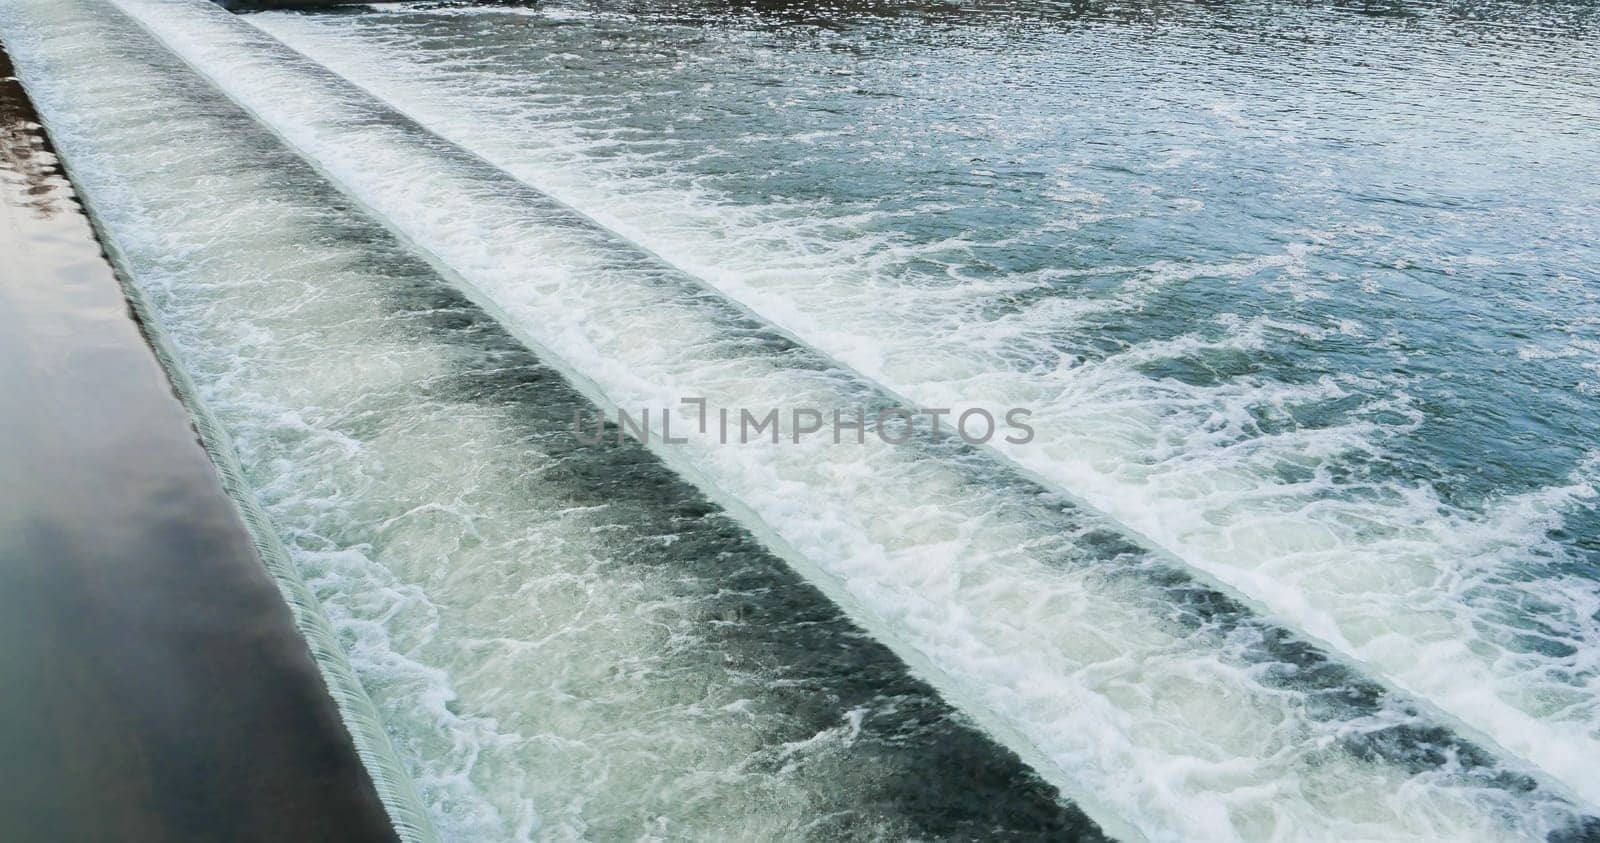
(1320,496)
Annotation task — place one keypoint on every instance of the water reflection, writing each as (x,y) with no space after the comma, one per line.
(25,156)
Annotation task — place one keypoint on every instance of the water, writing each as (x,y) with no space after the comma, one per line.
(1304,297)
(553,631)
(565,641)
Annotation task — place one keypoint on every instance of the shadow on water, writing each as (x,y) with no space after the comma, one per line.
(916,762)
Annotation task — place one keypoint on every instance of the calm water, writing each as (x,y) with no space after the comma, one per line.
(1302,299)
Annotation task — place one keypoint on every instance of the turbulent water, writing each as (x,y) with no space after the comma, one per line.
(1302,301)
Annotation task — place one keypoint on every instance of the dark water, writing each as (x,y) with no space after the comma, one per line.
(154,687)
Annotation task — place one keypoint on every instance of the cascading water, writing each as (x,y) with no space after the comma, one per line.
(565,640)
(1267,393)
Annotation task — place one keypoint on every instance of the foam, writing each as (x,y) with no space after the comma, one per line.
(412,532)
(1160,730)
(1378,571)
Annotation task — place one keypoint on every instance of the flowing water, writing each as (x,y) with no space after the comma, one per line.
(1305,297)
(1301,300)
(566,641)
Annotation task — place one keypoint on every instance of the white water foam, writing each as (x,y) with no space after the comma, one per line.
(1160,732)
(469,592)
(1390,576)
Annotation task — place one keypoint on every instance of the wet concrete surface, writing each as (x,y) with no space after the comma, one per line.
(152,683)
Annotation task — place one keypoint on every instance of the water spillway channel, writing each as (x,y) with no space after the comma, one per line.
(696,639)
